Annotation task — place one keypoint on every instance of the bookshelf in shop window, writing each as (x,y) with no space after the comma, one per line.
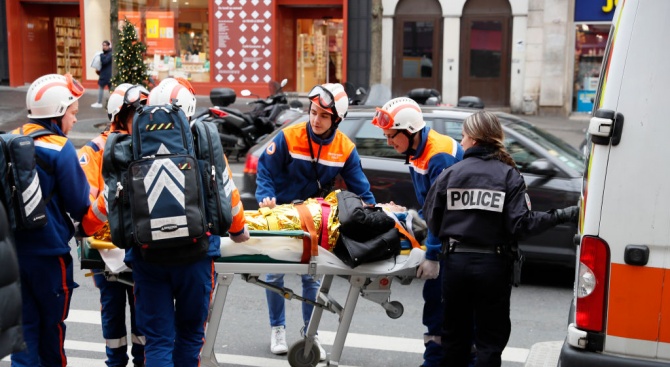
(68,46)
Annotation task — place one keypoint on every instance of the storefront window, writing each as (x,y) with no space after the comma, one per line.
(176,34)
(590,43)
(319,52)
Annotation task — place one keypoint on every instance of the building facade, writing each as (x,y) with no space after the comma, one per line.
(532,56)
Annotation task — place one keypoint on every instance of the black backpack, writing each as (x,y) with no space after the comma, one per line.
(20,189)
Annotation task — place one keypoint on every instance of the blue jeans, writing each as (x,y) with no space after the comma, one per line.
(276,306)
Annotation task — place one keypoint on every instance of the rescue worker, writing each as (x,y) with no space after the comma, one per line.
(45,262)
(172,301)
(428,153)
(113,294)
(301,162)
(479,209)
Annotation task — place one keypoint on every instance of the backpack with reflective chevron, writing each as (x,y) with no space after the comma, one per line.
(163,188)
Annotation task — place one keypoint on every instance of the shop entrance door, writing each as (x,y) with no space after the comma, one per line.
(417,38)
(485,52)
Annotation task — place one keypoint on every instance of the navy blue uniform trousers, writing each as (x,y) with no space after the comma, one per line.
(171,306)
(476,290)
(113,296)
(46,291)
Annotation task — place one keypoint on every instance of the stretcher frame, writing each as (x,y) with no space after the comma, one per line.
(303,353)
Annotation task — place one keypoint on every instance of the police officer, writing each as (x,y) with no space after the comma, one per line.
(478,208)
(428,153)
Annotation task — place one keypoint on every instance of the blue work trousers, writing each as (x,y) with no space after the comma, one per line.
(276,306)
(113,297)
(46,291)
(171,306)
(477,290)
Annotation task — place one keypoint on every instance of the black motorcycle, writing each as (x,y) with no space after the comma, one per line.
(240,130)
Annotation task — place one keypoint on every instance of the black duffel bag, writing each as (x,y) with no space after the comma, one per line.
(367,234)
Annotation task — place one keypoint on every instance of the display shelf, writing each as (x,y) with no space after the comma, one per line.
(68,46)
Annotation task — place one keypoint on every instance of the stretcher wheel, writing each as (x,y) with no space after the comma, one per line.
(296,355)
(399,310)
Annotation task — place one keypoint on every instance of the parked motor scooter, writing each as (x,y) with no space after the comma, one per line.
(240,130)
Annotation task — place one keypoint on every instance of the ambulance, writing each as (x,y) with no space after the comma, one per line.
(621,309)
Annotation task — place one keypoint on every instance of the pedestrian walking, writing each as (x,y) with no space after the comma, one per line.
(105,73)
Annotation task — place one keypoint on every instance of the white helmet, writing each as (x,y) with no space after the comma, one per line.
(50,95)
(400,113)
(177,90)
(115,102)
(331,96)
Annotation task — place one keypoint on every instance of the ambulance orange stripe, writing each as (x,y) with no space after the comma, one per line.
(635,303)
(664,325)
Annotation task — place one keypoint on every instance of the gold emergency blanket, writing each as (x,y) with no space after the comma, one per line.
(286,217)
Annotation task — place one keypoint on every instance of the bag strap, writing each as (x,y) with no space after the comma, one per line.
(403,231)
(325,214)
(46,167)
(309,245)
(269,216)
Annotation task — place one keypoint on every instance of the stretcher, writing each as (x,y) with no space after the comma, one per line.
(281,252)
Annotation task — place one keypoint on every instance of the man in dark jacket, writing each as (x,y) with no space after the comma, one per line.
(105,73)
(11,334)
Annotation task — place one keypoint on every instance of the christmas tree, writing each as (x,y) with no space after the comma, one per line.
(128,56)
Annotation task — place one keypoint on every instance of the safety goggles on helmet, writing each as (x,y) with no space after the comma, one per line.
(135,94)
(382,119)
(323,96)
(74,86)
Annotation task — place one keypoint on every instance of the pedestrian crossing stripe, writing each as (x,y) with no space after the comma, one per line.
(354,340)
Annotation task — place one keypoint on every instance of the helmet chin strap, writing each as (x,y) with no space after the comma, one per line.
(410,151)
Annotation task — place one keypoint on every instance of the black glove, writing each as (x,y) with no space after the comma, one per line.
(567,215)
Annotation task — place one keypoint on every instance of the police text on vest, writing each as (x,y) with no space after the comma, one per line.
(462,199)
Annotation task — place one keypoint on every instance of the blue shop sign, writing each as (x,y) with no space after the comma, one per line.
(594,10)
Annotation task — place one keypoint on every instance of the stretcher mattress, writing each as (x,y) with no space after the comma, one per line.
(289,250)
(273,254)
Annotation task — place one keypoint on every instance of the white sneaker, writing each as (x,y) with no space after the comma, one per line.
(278,340)
(322,352)
(96,105)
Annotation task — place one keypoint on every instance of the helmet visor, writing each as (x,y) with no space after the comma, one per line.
(135,94)
(382,119)
(74,86)
(323,96)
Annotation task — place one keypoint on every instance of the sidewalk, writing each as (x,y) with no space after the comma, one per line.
(93,120)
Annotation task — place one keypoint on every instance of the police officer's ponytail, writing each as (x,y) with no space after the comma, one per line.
(484,128)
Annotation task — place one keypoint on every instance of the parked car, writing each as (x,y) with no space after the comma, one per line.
(551,167)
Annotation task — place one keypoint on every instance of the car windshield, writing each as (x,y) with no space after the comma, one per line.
(553,145)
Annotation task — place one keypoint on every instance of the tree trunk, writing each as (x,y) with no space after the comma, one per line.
(376,42)
(114,25)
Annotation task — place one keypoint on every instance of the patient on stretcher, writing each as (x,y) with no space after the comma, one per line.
(286,217)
